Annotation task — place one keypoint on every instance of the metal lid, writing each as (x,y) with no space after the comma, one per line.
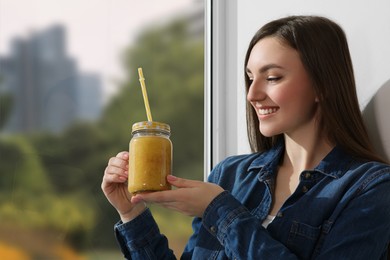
(151,125)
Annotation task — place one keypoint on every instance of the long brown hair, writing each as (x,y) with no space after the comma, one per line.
(324,52)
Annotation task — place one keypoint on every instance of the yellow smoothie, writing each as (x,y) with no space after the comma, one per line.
(149,164)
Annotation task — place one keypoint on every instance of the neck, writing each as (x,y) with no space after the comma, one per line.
(306,153)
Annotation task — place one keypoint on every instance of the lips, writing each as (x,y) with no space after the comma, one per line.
(267,111)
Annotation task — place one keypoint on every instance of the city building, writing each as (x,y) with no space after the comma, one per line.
(48,92)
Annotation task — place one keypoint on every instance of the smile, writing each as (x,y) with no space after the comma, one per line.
(267,111)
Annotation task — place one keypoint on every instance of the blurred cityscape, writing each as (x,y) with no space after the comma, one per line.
(47,90)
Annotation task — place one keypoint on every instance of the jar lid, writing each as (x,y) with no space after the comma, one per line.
(151,125)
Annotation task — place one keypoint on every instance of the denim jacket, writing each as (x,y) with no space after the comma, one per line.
(340,210)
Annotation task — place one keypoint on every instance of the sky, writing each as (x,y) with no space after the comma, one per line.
(97,30)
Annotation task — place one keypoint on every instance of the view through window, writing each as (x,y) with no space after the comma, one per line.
(69,93)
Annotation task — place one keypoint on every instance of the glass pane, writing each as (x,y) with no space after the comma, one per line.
(69,94)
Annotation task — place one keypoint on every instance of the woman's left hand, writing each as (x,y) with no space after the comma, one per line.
(190,198)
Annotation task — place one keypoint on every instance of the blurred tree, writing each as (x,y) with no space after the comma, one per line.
(27,197)
(74,158)
(6,103)
(20,167)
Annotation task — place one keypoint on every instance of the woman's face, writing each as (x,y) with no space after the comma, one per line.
(280,90)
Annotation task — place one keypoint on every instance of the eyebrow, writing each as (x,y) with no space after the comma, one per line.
(266,68)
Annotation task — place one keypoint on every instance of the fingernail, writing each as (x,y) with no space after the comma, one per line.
(136,199)
(171,178)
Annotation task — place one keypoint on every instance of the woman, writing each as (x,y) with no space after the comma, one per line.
(313,188)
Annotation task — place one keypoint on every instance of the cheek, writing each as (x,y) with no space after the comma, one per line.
(294,96)
(283,96)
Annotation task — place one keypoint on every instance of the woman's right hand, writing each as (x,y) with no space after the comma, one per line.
(114,186)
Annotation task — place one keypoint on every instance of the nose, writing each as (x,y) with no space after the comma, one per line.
(256,92)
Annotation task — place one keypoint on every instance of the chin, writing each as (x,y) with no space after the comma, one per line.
(269,132)
(268,135)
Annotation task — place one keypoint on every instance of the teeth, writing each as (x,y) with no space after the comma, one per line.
(267,111)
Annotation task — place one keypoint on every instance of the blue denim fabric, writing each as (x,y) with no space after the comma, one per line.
(340,210)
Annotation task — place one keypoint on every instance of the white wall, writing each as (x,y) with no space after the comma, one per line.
(233,22)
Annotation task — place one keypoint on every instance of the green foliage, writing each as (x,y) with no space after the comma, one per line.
(74,158)
(20,168)
(66,214)
(6,103)
(26,195)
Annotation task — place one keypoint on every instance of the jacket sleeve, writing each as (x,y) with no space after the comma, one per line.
(141,239)
(189,249)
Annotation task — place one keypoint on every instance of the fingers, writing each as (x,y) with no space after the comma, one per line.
(170,195)
(117,169)
(182,183)
(191,197)
(180,200)
(114,175)
(155,197)
(124,155)
(121,160)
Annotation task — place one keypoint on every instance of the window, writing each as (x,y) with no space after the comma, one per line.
(69,93)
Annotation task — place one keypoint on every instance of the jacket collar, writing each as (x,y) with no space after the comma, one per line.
(335,163)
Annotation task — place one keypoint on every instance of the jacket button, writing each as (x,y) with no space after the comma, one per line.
(213,229)
(280,214)
(307,175)
(305,189)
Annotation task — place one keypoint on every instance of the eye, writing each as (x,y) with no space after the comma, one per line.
(250,79)
(273,78)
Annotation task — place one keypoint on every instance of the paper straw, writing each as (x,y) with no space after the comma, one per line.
(145,94)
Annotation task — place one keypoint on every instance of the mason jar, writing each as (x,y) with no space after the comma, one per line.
(150,157)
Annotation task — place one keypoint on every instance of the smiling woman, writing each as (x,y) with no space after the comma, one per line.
(241,20)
